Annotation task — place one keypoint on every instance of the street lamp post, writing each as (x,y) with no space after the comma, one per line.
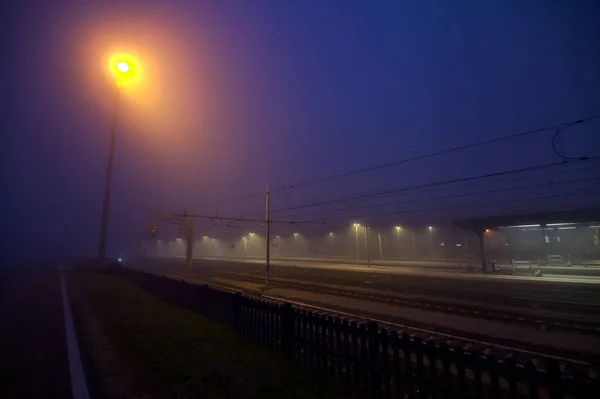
(356,226)
(367,245)
(108,179)
(296,252)
(122,69)
(431,239)
(398,228)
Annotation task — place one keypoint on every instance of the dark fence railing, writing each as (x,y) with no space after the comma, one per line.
(387,364)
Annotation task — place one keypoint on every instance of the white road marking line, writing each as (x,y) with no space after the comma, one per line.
(78,382)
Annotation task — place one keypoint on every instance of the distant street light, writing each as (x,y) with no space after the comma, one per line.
(124,72)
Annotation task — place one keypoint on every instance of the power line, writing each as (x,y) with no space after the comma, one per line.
(561,153)
(240,219)
(561,165)
(471,205)
(433,154)
(498,181)
(455,195)
(478,215)
(420,186)
(447,196)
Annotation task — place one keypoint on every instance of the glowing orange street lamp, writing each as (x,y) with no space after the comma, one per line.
(123,70)
(123,66)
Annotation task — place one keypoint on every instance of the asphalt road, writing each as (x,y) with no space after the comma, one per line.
(479,289)
(33,349)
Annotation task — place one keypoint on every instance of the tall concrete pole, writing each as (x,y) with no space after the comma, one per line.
(267,239)
(108,180)
(367,245)
(481,236)
(380,247)
(357,250)
(189,249)
(399,245)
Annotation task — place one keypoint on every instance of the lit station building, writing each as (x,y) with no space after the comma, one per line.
(564,237)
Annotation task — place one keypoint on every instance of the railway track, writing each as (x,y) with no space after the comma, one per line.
(561,299)
(538,321)
(538,296)
(521,355)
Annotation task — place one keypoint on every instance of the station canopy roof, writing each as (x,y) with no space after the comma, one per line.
(581,216)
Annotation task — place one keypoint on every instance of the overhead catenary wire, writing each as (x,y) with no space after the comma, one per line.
(589,166)
(239,219)
(559,127)
(430,155)
(556,136)
(425,185)
(435,189)
(505,189)
(468,205)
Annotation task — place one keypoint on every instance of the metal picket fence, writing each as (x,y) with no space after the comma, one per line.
(387,364)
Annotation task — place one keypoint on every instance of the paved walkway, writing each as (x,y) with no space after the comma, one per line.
(34,360)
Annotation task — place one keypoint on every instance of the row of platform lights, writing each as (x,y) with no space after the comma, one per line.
(331,234)
(524,227)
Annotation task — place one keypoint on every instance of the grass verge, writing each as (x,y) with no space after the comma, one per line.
(173,353)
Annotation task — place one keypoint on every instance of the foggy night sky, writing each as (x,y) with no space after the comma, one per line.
(237,94)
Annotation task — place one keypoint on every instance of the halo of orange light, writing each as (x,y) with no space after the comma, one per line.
(128,78)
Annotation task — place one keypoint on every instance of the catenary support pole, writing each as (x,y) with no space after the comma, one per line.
(267,239)
(367,245)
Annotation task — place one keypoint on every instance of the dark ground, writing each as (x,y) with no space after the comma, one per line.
(167,352)
(33,350)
